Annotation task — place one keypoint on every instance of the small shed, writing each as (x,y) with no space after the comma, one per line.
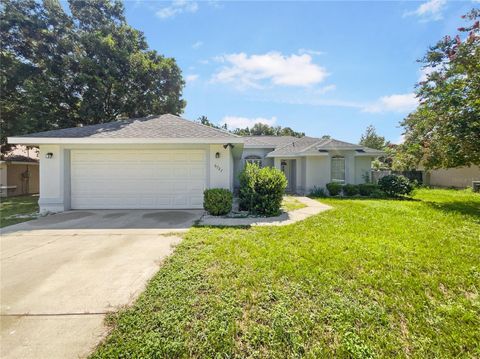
(19,173)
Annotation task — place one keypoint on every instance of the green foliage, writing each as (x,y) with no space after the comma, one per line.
(205,121)
(334,188)
(318,192)
(370,139)
(261,129)
(261,189)
(14,210)
(394,185)
(350,190)
(392,279)
(62,70)
(366,189)
(444,130)
(217,201)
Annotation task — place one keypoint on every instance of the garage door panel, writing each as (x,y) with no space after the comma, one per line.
(137,179)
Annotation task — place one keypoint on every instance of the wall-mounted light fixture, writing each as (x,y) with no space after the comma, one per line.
(217,155)
(48,155)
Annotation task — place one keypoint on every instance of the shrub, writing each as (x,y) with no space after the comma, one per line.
(395,186)
(366,189)
(350,190)
(377,193)
(317,192)
(217,201)
(334,188)
(262,189)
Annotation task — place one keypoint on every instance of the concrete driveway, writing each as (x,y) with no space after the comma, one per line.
(61,274)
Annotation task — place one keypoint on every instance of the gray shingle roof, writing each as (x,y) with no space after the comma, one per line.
(272,141)
(164,126)
(312,145)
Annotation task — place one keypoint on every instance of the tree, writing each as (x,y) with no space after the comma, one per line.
(205,121)
(372,140)
(59,70)
(261,129)
(444,130)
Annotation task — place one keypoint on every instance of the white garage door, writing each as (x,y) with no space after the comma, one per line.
(128,179)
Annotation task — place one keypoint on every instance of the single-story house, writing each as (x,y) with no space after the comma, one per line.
(19,173)
(166,162)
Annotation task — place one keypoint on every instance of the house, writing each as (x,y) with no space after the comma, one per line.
(19,172)
(165,162)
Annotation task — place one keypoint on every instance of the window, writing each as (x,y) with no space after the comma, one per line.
(254,159)
(338,169)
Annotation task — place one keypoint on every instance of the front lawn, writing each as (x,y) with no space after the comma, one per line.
(18,209)
(369,278)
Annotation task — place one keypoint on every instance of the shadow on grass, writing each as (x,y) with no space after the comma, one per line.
(467,208)
(366,198)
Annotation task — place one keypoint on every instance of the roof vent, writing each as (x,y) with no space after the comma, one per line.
(324,151)
(360,150)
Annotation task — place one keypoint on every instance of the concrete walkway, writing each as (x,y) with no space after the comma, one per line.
(312,208)
(61,274)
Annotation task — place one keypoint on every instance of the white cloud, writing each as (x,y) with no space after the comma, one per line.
(272,67)
(393,103)
(191,78)
(430,10)
(197,45)
(242,122)
(177,7)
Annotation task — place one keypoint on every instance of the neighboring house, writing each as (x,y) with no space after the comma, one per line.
(19,172)
(459,177)
(165,162)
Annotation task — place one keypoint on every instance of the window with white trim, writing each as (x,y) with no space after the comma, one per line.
(254,159)
(338,169)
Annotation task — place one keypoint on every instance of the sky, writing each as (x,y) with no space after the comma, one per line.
(323,68)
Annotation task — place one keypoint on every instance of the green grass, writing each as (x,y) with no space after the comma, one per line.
(369,278)
(24,206)
(290,203)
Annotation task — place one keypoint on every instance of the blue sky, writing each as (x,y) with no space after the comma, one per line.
(318,67)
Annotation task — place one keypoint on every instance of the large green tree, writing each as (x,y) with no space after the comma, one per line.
(444,131)
(372,140)
(60,70)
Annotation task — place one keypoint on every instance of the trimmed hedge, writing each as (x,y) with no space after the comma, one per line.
(334,188)
(350,190)
(366,189)
(395,186)
(261,189)
(217,201)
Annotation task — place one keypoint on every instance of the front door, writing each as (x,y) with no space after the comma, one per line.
(287,171)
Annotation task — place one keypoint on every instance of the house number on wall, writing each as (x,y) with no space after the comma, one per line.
(220,169)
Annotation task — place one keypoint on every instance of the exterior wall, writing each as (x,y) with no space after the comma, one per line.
(363,166)
(461,177)
(318,172)
(11,174)
(52,179)
(315,170)
(55,172)
(220,168)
